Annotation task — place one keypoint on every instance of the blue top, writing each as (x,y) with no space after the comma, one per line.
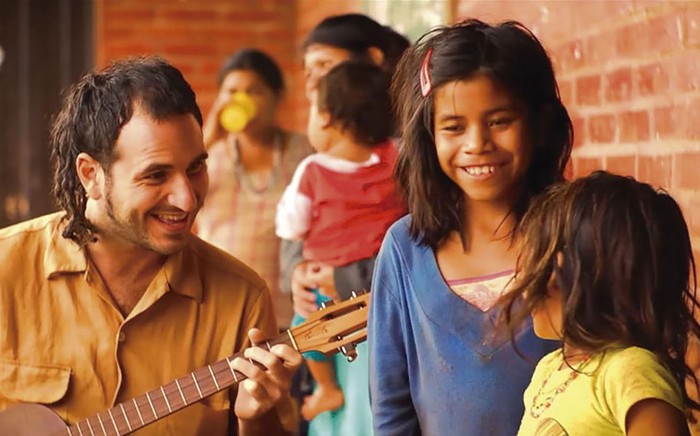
(435,366)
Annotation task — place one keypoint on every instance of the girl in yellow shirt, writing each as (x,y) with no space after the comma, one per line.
(605,268)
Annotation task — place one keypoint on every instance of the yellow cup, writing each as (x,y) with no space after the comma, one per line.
(238,112)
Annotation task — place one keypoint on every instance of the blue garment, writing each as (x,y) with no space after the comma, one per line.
(298,320)
(435,366)
(355,416)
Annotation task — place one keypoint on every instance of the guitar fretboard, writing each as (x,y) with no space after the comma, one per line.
(145,409)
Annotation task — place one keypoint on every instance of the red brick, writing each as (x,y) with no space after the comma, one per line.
(601,128)
(584,166)
(570,55)
(692,121)
(566,92)
(188,16)
(655,170)
(687,170)
(652,79)
(656,35)
(205,50)
(692,27)
(634,126)
(622,165)
(588,90)
(600,48)
(580,136)
(666,122)
(688,71)
(618,85)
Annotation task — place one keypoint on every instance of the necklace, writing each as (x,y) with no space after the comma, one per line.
(543,399)
(245,179)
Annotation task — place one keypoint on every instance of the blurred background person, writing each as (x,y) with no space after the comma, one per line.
(336,39)
(251,161)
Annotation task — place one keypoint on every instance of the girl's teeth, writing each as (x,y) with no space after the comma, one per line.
(477,171)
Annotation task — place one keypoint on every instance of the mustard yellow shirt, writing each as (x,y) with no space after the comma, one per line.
(65,344)
(594,401)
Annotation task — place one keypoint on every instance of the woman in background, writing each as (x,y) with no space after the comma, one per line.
(249,169)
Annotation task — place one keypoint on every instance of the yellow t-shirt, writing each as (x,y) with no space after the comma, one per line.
(595,400)
(65,344)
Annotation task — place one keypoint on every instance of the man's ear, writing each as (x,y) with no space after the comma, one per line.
(91,175)
(376,55)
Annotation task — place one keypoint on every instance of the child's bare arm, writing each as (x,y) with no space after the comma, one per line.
(655,417)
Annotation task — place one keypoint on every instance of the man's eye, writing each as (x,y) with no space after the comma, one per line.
(197,167)
(158,175)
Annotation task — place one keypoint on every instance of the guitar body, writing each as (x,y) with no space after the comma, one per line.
(30,420)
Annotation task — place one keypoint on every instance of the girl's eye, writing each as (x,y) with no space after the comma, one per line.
(453,128)
(500,122)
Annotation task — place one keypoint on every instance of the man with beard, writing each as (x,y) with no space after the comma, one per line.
(114,296)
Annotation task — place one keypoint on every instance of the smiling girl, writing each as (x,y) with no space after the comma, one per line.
(483,131)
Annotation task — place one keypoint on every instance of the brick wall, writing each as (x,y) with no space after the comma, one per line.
(197,37)
(629,70)
(629,73)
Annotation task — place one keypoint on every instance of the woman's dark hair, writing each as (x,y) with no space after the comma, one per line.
(621,256)
(258,62)
(356,95)
(355,33)
(93,113)
(508,53)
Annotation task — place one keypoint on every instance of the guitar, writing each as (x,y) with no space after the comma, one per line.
(334,328)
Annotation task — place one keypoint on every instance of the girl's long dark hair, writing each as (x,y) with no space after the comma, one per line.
(510,54)
(626,270)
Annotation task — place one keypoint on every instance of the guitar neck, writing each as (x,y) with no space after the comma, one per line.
(145,409)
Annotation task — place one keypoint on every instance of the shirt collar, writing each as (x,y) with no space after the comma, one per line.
(179,274)
(63,255)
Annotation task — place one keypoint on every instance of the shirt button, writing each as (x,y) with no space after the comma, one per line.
(122,336)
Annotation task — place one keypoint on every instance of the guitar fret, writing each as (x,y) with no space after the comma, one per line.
(268,346)
(80,431)
(165,397)
(235,377)
(90,427)
(199,391)
(126,418)
(70,433)
(101,425)
(148,397)
(136,406)
(216,383)
(179,389)
(114,423)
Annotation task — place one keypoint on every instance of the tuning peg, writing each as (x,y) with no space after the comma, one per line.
(355,294)
(327,303)
(349,351)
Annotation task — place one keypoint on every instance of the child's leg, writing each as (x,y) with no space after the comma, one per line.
(327,396)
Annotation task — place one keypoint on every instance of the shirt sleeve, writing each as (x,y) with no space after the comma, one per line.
(392,407)
(636,374)
(293,217)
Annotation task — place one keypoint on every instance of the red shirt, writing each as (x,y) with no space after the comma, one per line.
(341,209)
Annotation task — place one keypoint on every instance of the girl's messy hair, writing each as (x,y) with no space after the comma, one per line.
(510,54)
(626,270)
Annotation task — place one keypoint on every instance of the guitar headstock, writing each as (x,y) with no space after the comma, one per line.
(335,327)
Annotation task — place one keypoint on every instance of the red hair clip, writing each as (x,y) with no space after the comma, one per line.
(425,85)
